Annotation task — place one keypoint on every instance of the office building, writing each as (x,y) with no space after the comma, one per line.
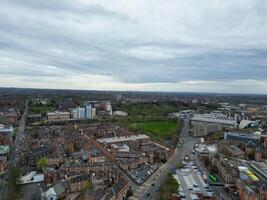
(242,137)
(201,128)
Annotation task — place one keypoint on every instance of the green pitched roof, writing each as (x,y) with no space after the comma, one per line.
(4,149)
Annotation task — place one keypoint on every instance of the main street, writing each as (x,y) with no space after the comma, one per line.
(151,186)
(14,156)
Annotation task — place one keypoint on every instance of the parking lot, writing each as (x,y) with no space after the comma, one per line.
(191,181)
(142,173)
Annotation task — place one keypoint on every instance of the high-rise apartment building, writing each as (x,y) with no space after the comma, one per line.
(81,112)
(88,111)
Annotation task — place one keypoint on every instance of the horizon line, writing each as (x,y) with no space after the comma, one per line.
(138,91)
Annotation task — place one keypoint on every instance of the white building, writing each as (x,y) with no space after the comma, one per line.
(31,177)
(93,113)
(109,107)
(74,113)
(6,129)
(55,192)
(123,138)
(88,111)
(120,113)
(81,112)
(118,97)
(215,118)
(247,123)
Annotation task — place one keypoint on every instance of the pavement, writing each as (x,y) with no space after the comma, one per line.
(31,191)
(14,156)
(191,181)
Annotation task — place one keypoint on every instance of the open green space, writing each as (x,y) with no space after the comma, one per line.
(152,118)
(151,109)
(162,127)
(158,130)
(39,109)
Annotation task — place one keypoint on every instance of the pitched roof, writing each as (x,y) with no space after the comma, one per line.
(59,189)
(4,149)
(50,192)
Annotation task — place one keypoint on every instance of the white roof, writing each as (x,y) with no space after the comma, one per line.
(242,168)
(119,112)
(58,113)
(121,148)
(161,146)
(244,123)
(27,177)
(213,118)
(50,192)
(123,138)
(6,128)
(212,148)
(31,177)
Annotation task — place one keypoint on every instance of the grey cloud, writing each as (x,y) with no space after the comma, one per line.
(216,44)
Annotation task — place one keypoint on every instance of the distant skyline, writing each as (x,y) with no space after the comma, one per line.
(142,45)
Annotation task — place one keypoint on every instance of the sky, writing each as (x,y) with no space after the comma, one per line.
(140,45)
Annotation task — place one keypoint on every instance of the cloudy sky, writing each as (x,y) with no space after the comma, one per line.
(152,45)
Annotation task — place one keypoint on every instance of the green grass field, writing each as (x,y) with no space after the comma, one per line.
(163,127)
(40,109)
(158,130)
(150,109)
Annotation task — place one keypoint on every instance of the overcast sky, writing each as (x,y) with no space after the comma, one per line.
(156,45)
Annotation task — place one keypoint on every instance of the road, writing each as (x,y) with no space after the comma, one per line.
(14,156)
(149,189)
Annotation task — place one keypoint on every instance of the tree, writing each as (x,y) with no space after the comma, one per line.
(180,165)
(88,185)
(42,122)
(68,151)
(216,136)
(13,191)
(42,163)
(170,186)
(53,103)
(36,134)
(30,102)
(129,193)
